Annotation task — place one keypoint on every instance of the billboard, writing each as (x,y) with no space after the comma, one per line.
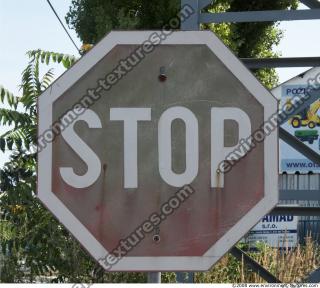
(279,231)
(305,125)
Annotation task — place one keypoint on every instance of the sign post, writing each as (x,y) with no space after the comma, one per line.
(154,277)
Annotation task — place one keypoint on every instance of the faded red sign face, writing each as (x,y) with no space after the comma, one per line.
(132,132)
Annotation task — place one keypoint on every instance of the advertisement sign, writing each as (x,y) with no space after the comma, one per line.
(305,125)
(276,231)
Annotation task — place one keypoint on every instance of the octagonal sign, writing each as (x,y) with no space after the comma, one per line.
(158,151)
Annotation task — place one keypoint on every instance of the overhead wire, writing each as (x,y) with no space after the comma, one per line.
(63,26)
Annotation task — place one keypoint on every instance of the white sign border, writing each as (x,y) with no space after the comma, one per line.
(69,78)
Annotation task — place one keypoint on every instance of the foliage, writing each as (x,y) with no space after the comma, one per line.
(47,56)
(34,245)
(92,19)
(23,132)
(288,265)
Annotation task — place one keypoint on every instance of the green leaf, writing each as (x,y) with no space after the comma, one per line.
(48,58)
(54,57)
(2,144)
(43,56)
(18,143)
(60,57)
(9,143)
(2,93)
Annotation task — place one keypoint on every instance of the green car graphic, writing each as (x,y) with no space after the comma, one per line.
(307,135)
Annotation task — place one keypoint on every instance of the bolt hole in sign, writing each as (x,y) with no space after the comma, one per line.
(130,124)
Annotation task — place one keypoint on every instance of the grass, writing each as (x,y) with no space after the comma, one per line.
(288,265)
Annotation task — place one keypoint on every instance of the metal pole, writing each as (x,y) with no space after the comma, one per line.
(154,277)
(260,16)
(295,210)
(255,266)
(256,63)
(191,23)
(312,4)
(185,277)
(302,195)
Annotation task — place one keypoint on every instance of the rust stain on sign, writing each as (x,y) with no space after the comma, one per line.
(111,212)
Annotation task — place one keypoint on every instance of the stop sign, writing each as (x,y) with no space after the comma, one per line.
(153,151)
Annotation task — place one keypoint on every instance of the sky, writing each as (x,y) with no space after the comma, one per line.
(30,27)
(33,25)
